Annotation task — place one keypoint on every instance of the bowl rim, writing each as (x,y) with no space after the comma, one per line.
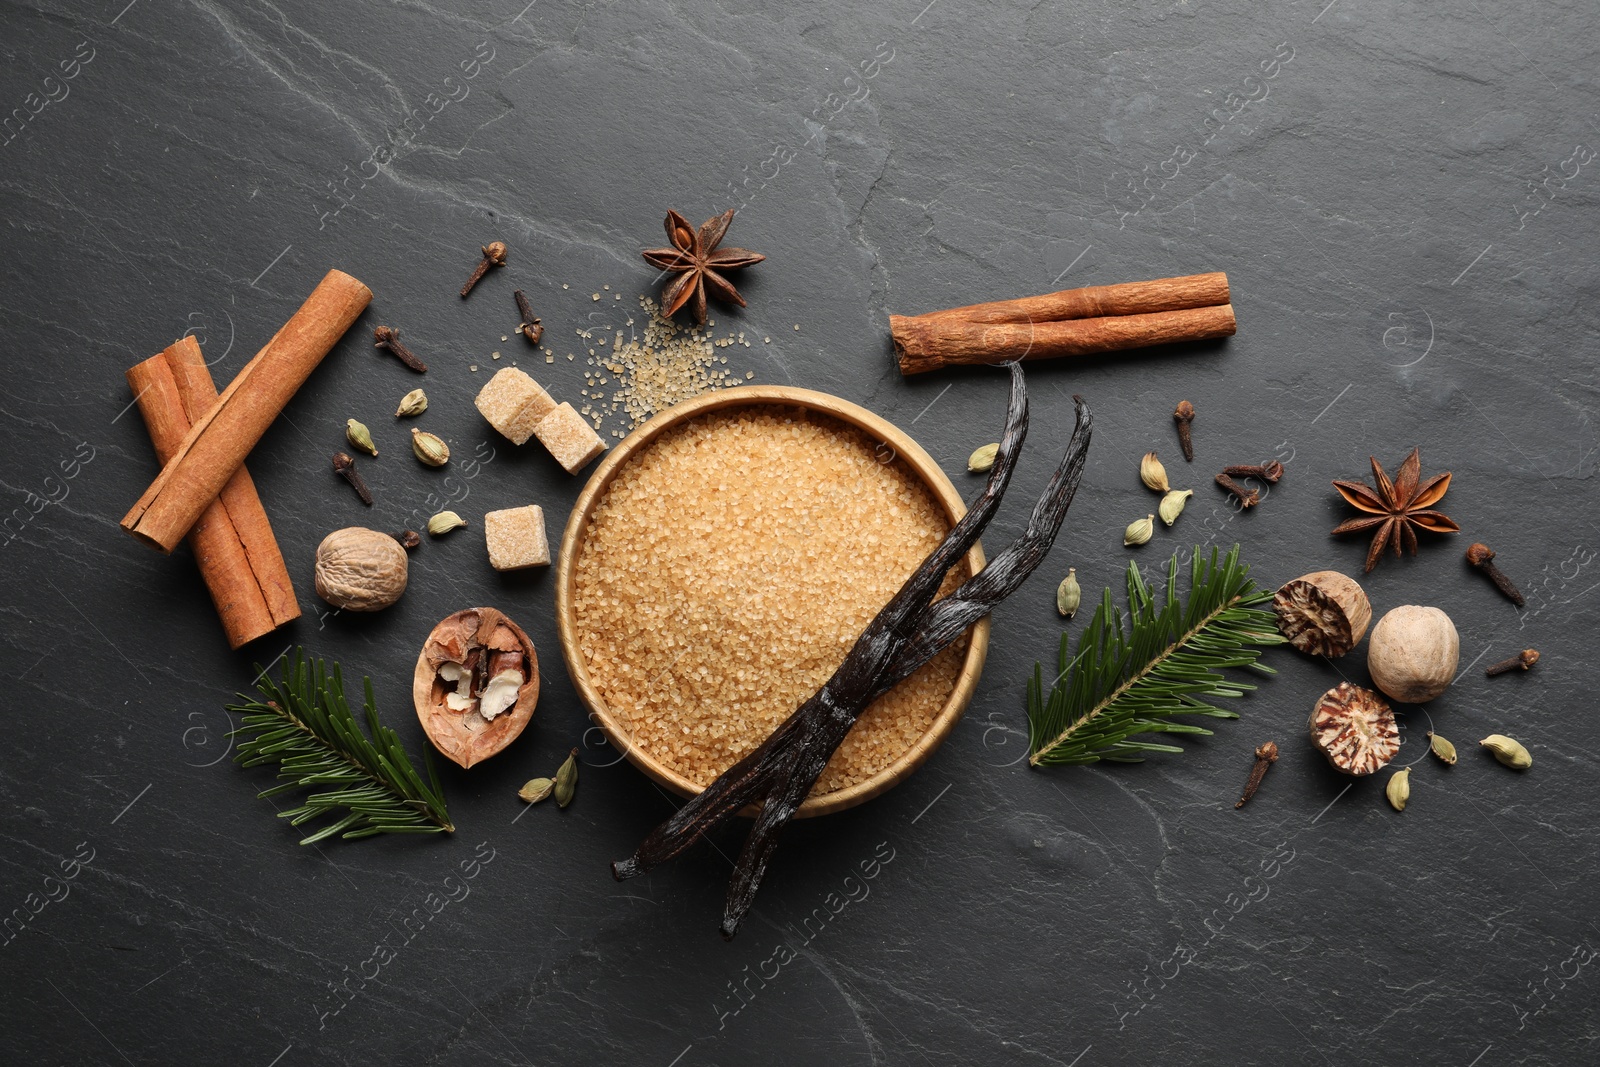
(875,426)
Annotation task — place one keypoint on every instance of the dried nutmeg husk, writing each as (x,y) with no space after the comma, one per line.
(465,688)
(1355,729)
(1324,613)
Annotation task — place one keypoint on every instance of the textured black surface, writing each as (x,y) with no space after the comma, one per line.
(1404,203)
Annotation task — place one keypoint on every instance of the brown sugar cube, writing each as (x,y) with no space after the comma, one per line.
(514,403)
(516,538)
(569,438)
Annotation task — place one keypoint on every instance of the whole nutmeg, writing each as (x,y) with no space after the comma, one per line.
(1412,653)
(360,569)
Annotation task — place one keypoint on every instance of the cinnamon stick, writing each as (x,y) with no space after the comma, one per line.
(219,440)
(926,342)
(232,540)
(1096,301)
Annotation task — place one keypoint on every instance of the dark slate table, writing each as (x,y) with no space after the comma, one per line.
(1403,197)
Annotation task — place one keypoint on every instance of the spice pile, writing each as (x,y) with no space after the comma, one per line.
(727,571)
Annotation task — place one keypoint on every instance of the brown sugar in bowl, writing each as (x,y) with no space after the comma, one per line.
(889,442)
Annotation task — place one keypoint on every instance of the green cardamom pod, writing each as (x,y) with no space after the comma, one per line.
(1140,531)
(444,522)
(983,459)
(1068,595)
(413,403)
(536,790)
(1153,474)
(1172,504)
(359,437)
(430,448)
(1398,788)
(566,786)
(1508,751)
(1442,748)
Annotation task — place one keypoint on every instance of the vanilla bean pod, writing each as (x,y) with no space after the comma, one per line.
(746,781)
(908,632)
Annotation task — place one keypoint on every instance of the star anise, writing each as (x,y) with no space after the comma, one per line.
(1396,509)
(698,263)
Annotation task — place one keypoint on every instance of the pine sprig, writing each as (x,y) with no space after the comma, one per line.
(304,725)
(1131,680)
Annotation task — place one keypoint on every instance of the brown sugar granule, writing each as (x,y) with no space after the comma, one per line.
(730,567)
(666,364)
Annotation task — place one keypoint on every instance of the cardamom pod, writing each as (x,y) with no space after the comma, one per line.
(444,522)
(1508,751)
(536,790)
(413,403)
(430,448)
(1068,595)
(359,437)
(1140,531)
(1152,473)
(1442,748)
(566,785)
(983,458)
(1172,504)
(1398,788)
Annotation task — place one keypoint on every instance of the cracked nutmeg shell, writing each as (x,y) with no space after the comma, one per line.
(475,685)
(1355,729)
(1324,613)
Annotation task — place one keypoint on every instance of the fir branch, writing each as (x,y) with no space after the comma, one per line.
(304,725)
(1125,682)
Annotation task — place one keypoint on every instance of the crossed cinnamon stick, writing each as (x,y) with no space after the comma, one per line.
(1072,322)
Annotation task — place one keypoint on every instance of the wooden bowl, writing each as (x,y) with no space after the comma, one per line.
(918,461)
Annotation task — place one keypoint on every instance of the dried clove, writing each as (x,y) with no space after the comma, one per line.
(1183,417)
(1524,659)
(388,338)
(1481,556)
(494,255)
(1268,472)
(1248,498)
(408,539)
(910,630)
(1266,756)
(346,468)
(530,326)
